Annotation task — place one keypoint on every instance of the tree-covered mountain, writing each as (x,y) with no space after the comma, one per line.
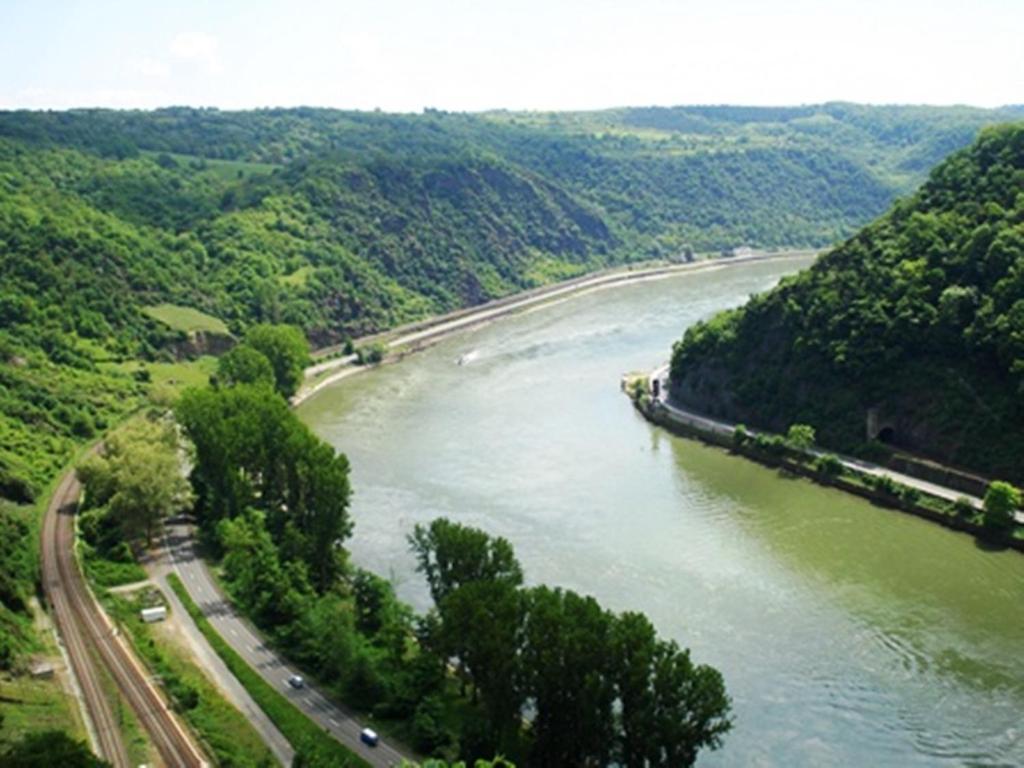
(918,321)
(345,223)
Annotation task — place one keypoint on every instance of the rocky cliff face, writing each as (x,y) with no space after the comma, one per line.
(198,343)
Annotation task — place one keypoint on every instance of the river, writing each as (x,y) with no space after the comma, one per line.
(848,635)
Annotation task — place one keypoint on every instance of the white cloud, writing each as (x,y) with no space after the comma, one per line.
(62,98)
(150,67)
(198,47)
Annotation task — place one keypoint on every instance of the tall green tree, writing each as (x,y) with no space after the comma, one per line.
(691,708)
(451,555)
(138,477)
(287,350)
(634,645)
(251,451)
(602,689)
(567,662)
(275,593)
(317,498)
(239,435)
(244,364)
(483,625)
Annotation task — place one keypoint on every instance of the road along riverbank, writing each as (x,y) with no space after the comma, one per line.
(873,482)
(414,337)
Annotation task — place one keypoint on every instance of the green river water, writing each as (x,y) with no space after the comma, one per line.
(848,635)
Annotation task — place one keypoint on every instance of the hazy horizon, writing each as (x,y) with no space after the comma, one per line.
(492,110)
(569,56)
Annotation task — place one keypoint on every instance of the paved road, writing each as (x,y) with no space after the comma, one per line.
(248,643)
(858,465)
(74,604)
(438,327)
(159,566)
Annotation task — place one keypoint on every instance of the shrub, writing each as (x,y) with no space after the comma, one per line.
(963,507)
(82,425)
(910,494)
(1001,502)
(740,436)
(828,465)
(635,388)
(885,484)
(429,733)
(800,437)
(770,444)
(370,354)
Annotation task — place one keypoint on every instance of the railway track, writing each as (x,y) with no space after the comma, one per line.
(84,627)
(105,727)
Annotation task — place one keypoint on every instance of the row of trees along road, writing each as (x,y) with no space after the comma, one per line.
(546,676)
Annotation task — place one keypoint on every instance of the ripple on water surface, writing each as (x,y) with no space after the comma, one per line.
(847,634)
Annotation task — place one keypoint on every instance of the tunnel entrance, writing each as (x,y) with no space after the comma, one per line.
(886,435)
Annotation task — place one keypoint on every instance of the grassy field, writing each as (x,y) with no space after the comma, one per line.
(109,573)
(167,380)
(226,170)
(185,318)
(29,704)
(225,733)
(181,375)
(295,726)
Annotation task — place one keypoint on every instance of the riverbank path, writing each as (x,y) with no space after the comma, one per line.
(698,421)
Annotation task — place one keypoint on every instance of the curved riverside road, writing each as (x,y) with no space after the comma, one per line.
(859,465)
(426,332)
(81,618)
(251,646)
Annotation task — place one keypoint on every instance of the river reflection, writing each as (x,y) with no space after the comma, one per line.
(847,634)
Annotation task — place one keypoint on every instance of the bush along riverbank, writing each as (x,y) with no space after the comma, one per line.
(995,521)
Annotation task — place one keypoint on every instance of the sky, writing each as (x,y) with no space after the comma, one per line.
(407,55)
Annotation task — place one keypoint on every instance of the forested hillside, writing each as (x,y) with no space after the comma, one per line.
(345,223)
(918,319)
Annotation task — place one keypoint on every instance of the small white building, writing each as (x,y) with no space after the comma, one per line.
(149,615)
